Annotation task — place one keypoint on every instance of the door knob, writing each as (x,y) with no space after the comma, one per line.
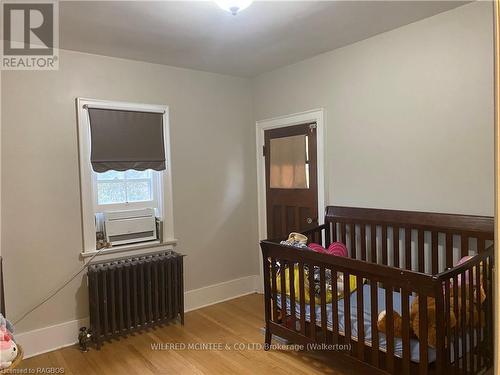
(309,220)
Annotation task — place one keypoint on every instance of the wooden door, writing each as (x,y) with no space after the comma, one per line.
(291,179)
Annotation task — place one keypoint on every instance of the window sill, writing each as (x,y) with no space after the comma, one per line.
(132,249)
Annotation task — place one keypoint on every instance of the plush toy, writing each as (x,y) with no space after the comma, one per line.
(8,350)
(6,325)
(297,237)
(431,313)
(295,240)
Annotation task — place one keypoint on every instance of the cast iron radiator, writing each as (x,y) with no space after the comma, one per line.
(130,294)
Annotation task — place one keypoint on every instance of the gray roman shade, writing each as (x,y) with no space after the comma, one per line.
(122,140)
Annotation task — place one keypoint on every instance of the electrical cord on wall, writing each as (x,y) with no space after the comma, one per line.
(52,294)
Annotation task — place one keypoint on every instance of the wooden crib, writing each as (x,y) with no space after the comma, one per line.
(399,255)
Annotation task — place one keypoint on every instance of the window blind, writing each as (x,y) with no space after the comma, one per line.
(122,140)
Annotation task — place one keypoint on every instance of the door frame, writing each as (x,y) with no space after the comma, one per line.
(315,115)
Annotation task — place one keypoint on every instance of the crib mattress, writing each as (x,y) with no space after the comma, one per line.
(398,343)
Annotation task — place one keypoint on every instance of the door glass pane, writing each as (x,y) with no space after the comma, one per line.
(288,163)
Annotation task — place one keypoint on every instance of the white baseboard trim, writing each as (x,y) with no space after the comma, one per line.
(58,336)
(50,338)
(216,293)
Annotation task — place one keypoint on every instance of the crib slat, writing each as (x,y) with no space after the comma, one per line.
(395,246)
(384,244)
(440,330)
(479,331)
(422,328)
(360,317)
(267,289)
(489,306)
(291,279)
(327,234)
(373,243)
(302,296)
(457,316)
(347,309)
(463,325)
(274,293)
(408,248)
(284,309)
(334,231)
(434,252)
(447,312)
(405,315)
(389,308)
(464,244)
(343,238)
(374,313)
(470,302)
(352,232)
(335,308)
(489,303)
(449,250)
(480,245)
(312,303)
(324,320)
(363,241)
(421,255)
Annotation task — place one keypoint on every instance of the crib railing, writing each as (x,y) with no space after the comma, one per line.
(474,338)
(419,241)
(470,348)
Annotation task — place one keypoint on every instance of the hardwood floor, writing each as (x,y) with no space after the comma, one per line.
(238,321)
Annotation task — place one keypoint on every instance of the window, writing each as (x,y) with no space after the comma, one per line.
(126,190)
(125,173)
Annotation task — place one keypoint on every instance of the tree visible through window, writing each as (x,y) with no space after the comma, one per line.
(114,187)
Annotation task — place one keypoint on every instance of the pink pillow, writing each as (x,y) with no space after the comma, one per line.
(337,249)
(317,248)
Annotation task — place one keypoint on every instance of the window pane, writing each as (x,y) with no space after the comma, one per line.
(133,174)
(110,175)
(288,163)
(111,192)
(138,191)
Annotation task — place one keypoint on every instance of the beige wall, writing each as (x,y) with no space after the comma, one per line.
(409,118)
(409,113)
(213,160)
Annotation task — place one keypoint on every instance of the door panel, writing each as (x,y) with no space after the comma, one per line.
(291,179)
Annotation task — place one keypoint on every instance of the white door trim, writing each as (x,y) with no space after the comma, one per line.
(316,115)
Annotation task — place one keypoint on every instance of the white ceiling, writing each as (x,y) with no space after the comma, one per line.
(199,35)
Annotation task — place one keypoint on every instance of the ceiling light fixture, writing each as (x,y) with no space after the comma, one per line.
(233,6)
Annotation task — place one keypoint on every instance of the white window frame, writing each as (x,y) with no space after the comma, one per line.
(87,177)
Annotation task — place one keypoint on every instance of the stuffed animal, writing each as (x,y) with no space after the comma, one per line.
(6,324)
(295,240)
(431,313)
(8,350)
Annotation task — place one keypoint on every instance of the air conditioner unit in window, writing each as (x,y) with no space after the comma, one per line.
(132,226)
